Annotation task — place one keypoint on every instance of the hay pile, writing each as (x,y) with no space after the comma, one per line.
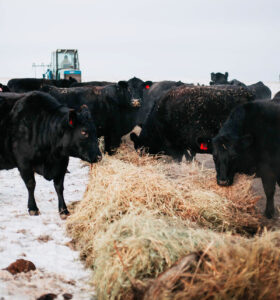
(139,215)
(137,248)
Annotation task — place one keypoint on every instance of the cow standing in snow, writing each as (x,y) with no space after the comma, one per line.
(38,134)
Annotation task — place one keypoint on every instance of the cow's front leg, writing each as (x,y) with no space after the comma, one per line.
(269,182)
(28,177)
(189,155)
(62,208)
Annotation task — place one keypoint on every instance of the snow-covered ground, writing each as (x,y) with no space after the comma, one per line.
(40,239)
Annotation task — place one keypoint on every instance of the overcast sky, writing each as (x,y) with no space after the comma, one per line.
(150,39)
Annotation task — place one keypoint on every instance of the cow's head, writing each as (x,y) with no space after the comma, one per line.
(226,153)
(137,88)
(80,137)
(219,78)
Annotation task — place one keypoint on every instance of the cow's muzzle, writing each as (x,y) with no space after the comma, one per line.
(223,182)
(135,102)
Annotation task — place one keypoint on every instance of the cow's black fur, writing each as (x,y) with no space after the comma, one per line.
(152,93)
(38,134)
(91,83)
(249,143)
(186,117)
(260,90)
(23,85)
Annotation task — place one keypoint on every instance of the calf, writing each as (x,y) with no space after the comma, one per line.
(38,134)
(248,143)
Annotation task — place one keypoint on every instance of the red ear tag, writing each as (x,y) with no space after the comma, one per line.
(147,87)
(71,122)
(203,146)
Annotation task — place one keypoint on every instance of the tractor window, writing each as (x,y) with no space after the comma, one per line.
(66,60)
(77,65)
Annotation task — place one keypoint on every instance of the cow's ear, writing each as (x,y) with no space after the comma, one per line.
(245,141)
(123,84)
(204,144)
(72,118)
(147,84)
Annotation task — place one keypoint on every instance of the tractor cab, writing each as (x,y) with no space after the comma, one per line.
(64,65)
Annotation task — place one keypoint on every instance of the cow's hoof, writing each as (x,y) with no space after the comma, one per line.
(34,212)
(64,214)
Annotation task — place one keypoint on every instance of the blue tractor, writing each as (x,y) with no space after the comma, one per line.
(64,65)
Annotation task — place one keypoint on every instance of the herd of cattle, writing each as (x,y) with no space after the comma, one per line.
(43,122)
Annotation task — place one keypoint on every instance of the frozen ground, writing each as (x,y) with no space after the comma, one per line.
(40,239)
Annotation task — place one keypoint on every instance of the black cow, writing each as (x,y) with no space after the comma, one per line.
(153,92)
(218,78)
(91,83)
(260,90)
(221,79)
(112,107)
(23,85)
(4,88)
(248,143)
(38,134)
(186,118)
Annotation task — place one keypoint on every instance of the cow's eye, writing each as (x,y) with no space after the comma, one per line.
(84,133)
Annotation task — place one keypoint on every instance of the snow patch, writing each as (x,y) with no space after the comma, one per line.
(41,239)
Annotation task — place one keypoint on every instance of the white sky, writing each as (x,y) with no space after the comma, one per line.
(150,39)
